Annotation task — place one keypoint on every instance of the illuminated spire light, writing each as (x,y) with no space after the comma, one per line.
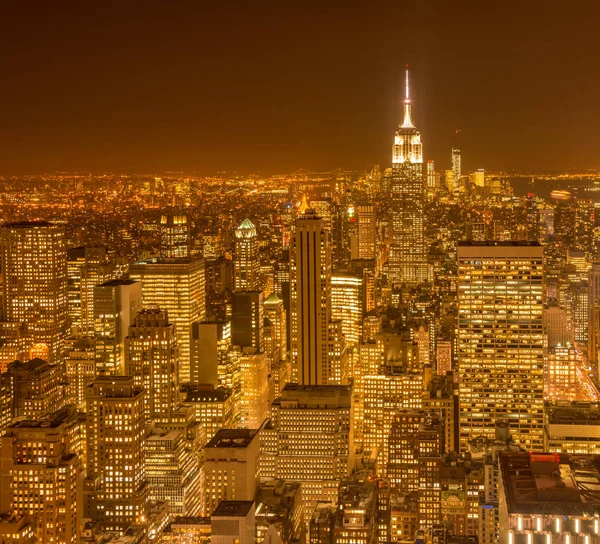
(407,121)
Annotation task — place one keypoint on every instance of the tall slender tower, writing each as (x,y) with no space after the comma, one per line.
(310,296)
(408,260)
(246,264)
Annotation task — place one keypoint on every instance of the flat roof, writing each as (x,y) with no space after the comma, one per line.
(117,282)
(551,483)
(500,243)
(232,438)
(27,224)
(233,508)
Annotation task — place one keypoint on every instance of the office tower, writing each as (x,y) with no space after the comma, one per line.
(174,236)
(367,231)
(233,522)
(561,509)
(254,388)
(408,258)
(450,181)
(80,366)
(231,467)
(247,321)
(500,336)
(37,388)
(116,303)
(337,354)
(246,260)
(116,489)
(274,312)
(422,340)
(431,177)
(152,359)
(478,178)
(556,326)
(172,471)
(439,396)
(310,440)
(368,271)
(566,376)
(213,408)
(594,317)
(40,476)
(456,164)
(310,305)
(403,463)
(347,305)
(443,356)
(212,245)
(386,392)
(177,286)
(210,343)
(86,268)
(429,449)
(34,284)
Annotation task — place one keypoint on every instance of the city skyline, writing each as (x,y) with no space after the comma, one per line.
(90,88)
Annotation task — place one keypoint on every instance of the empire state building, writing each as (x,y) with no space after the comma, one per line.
(408,259)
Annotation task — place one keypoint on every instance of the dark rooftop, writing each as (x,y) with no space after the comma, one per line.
(117,282)
(27,224)
(492,243)
(232,438)
(233,508)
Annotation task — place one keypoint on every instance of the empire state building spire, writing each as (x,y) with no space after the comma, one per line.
(407,122)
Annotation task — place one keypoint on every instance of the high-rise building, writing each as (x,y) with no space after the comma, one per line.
(347,298)
(246,263)
(40,476)
(177,286)
(500,337)
(367,231)
(233,522)
(456,164)
(116,303)
(310,440)
(478,178)
(254,387)
(174,236)
(80,367)
(116,488)
(247,321)
(86,268)
(37,388)
(431,177)
(34,284)
(172,471)
(310,278)
(408,258)
(213,408)
(152,359)
(231,467)
(210,344)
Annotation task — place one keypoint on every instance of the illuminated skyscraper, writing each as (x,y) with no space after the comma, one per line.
(347,305)
(500,340)
(34,284)
(116,489)
(431,177)
(116,303)
(367,231)
(456,165)
(174,236)
(177,286)
(151,357)
(247,321)
(87,267)
(408,259)
(246,261)
(310,300)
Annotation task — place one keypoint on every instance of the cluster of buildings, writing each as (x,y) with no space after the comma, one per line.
(402,356)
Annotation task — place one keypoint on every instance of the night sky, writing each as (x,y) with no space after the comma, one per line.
(272,86)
